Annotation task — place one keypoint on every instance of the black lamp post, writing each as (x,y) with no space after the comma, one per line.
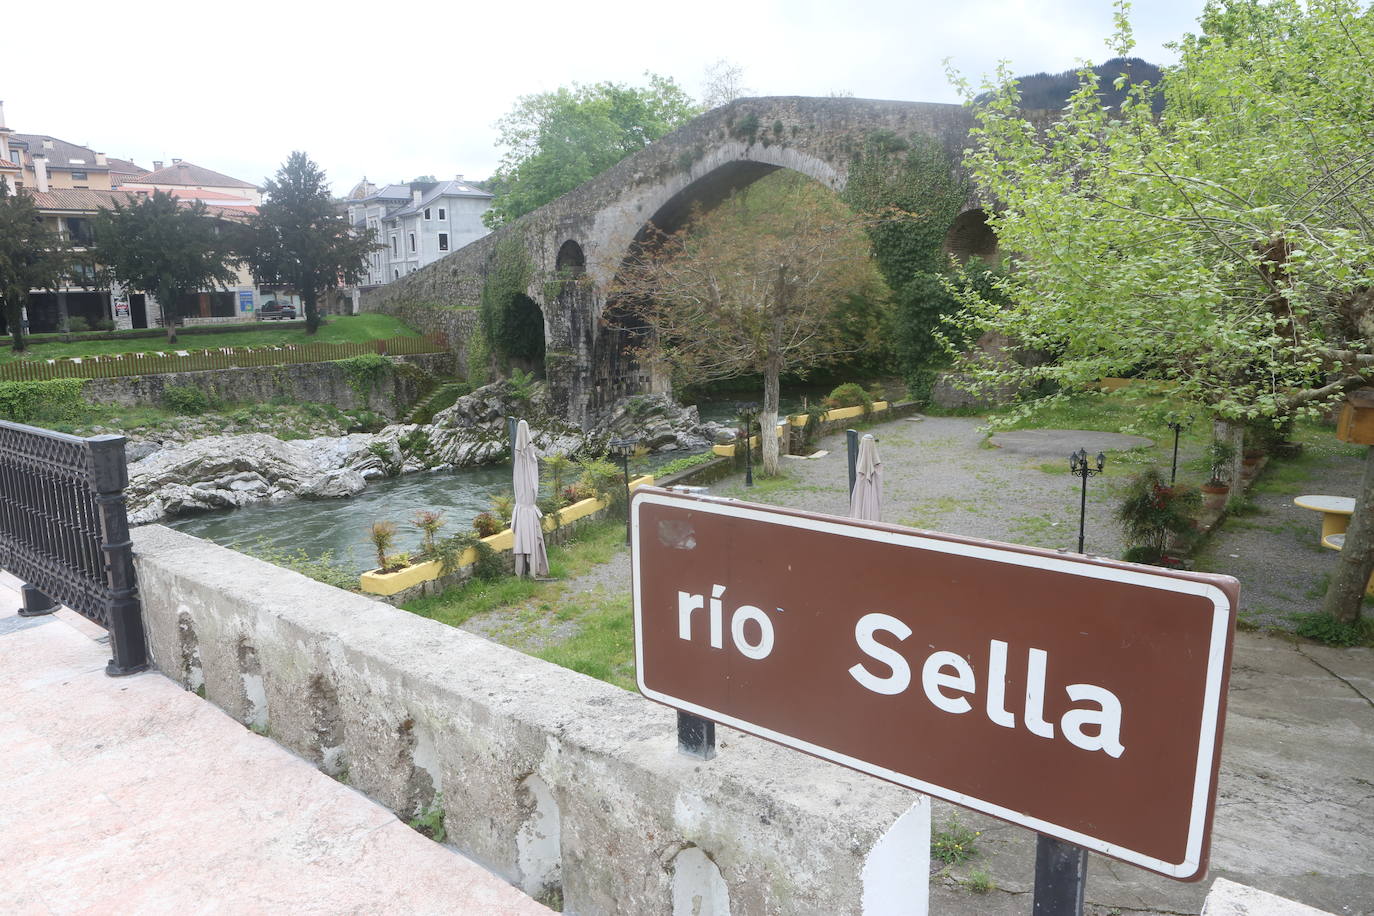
(624,449)
(748,412)
(1078,464)
(1177,426)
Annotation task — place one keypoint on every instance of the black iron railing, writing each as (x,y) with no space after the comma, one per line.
(64,532)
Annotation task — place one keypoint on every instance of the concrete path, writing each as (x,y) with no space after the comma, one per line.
(133,796)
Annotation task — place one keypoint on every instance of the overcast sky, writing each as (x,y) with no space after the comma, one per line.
(392,92)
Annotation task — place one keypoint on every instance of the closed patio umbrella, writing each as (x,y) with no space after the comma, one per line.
(527,521)
(866,501)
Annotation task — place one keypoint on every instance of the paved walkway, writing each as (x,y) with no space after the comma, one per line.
(133,796)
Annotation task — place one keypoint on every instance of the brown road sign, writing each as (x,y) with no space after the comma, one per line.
(1079,697)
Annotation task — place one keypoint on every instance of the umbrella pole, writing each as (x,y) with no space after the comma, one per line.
(851,441)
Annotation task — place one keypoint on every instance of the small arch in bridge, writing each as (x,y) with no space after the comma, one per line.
(571,258)
(526,335)
(970,236)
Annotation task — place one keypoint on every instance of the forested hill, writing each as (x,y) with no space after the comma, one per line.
(1052,90)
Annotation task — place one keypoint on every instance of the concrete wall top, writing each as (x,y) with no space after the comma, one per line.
(416,713)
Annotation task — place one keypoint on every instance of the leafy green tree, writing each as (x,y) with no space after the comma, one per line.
(757,288)
(166,249)
(301,240)
(554,141)
(32,256)
(1225,247)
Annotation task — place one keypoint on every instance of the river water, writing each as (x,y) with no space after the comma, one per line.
(340,526)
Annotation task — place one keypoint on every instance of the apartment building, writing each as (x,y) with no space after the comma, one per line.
(416,223)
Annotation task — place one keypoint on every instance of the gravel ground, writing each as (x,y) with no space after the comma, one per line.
(941,474)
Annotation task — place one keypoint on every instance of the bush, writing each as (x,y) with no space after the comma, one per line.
(58,400)
(1151,513)
(1327,629)
(604,479)
(104,324)
(323,568)
(186,399)
(486,524)
(77,324)
(851,394)
(682,464)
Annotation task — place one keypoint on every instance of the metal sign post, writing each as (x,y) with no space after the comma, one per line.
(1078,697)
(1061,877)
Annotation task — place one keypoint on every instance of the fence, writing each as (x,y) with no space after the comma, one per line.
(155,362)
(65,533)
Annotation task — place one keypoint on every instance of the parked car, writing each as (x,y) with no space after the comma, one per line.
(274,309)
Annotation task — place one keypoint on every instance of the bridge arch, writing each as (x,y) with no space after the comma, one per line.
(701,162)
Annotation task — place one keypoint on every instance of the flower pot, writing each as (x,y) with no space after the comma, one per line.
(1214,496)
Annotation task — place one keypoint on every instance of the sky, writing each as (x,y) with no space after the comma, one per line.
(392,93)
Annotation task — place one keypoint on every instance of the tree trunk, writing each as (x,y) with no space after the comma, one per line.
(768,420)
(1345,595)
(772,371)
(1233,435)
(14,319)
(312,311)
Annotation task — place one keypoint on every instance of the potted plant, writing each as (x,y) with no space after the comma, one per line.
(1156,518)
(1214,491)
(383,536)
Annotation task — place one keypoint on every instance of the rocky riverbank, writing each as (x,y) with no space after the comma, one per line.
(234,470)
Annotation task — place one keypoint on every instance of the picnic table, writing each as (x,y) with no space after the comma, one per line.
(1335,510)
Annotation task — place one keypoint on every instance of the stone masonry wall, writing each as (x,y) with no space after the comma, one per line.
(568,787)
(323,383)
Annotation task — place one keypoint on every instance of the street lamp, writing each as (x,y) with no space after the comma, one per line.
(624,449)
(1177,426)
(748,412)
(1078,464)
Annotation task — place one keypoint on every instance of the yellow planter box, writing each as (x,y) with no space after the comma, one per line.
(379,583)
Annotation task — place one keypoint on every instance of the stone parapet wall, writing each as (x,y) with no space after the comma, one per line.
(566,786)
(322,383)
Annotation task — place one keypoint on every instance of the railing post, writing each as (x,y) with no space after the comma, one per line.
(34,603)
(109,477)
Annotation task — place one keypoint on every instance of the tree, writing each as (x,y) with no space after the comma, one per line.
(1225,247)
(757,287)
(301,240)
(555,141)
(32,256)
(723,83)
(166,249)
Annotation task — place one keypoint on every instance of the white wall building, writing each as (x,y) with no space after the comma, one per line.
(416,224)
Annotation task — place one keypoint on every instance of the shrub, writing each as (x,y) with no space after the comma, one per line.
(851,394)
(503,506)
(58,400)
(1150,513)
(577,492)
(486,524)
(682,464)
(76,324)
(323,568)
(383,535)
(186,399)
(429,522)
(604,479)
(104,324)
(390,461)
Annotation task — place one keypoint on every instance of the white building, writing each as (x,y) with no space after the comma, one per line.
(417,224)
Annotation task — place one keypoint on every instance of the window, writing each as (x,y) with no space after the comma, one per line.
(427,213)
(441,213)
(395,247)
(395,275)
(412,241)
(443,241)
(78,176)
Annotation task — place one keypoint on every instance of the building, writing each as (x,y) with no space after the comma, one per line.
(71,213)
(416,223)
(188,181)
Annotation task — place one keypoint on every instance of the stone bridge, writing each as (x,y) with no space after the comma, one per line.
(586,234)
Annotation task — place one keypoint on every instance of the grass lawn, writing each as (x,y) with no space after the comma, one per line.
(338,329)
(589,632)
